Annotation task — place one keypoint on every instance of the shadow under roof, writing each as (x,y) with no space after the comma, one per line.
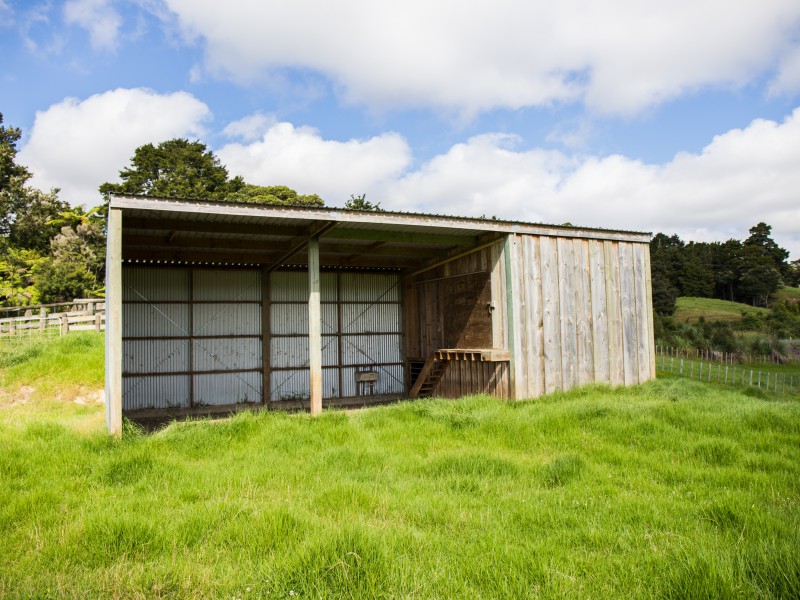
(184,231)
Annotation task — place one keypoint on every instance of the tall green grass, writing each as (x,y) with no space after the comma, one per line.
(74,359)
(673,489)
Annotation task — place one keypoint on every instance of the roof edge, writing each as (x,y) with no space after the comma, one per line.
(343,215)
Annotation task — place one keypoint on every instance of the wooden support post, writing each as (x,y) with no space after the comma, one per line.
(266,343)
(114,323)
(314,327)
(512,312)
(64,324)
(42,318)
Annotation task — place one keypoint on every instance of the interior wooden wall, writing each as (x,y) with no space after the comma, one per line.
(448,307)
(439,301)
(581,312)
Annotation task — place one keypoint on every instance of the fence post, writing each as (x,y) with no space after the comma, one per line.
(42,318)
(681,366)
(751,377)
(64,325)
(97,322)
(726,374)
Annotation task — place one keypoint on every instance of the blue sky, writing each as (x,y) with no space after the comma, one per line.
(658,116)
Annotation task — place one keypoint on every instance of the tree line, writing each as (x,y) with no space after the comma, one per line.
(53,252)
(747,271)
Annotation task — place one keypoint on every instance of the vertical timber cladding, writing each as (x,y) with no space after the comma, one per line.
(191,337)
(582,313)
(461,304)
(361,330)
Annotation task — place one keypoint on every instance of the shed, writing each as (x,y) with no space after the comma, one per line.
(215,306)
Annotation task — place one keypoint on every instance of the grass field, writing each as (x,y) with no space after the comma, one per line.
(672,489)
(790,294)
(689,310)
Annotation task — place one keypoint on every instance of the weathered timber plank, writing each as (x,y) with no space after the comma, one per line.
(628,301)
(650,326)
(583,313)
(642,327)
(534,333)
(614,313)
(516,358)
(597,290)
(566,294)
(498,283)
(551,319)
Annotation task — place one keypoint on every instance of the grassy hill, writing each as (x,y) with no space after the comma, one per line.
(788,294)
(665,489)
(689,310)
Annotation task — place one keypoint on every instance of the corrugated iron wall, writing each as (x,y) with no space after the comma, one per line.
(361,330)
(191,337)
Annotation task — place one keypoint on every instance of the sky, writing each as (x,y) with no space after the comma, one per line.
(680,117)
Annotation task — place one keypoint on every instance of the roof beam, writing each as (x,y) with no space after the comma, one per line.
(453,257)
(172,225)
(404,237)
(327,246)
(315,230)
(182,256)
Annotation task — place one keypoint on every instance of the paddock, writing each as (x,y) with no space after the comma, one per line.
(216,306)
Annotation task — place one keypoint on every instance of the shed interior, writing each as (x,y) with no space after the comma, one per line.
(215,306)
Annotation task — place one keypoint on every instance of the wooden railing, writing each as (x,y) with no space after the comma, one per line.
(85,314)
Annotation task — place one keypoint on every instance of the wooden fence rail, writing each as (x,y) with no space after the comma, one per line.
(46,319)
(702,369)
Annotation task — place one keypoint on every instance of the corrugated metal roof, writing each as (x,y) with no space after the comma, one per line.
(241,213)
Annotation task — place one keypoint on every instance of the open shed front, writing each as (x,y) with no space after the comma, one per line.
(217,306)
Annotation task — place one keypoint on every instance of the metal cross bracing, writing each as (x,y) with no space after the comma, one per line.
(348,336)
(186,344)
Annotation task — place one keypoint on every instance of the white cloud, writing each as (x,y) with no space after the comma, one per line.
(99,18)
(619,57)
(787,80)
(740,178)
(249,128)
(300,158)
(76,144)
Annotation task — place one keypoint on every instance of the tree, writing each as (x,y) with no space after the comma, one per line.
(75,267)
(273,194)
(361,203)
(179,168)
(176,168)
(12,175)
(760,277)
(760,238)
(696,278)
(35,221)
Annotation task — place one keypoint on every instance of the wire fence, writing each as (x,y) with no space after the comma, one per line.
(701,368)
(729,358)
